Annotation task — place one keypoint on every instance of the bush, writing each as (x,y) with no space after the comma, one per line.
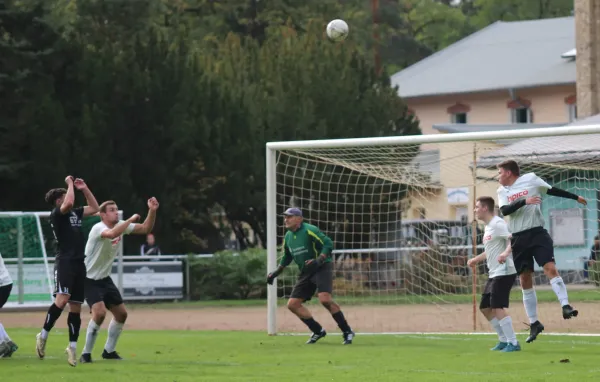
(229,275)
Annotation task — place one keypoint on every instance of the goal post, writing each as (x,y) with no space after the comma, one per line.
(400,213)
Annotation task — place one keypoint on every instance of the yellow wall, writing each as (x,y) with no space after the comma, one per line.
(548,106)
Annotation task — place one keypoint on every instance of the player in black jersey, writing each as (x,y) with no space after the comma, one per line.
(69,266)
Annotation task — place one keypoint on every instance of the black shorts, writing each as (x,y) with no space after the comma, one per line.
(69,278)
(534,243)
(4,293)
(103,290)
(496,293)
(308,284)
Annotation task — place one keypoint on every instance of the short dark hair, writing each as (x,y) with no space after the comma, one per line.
(510,165)
(54,194)
(487,201)
(106,204)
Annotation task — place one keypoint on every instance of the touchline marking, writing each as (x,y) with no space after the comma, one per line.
(443,334)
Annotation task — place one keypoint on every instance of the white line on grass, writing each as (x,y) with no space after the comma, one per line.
(443,334)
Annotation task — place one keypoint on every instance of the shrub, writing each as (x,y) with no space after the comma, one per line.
(229,275)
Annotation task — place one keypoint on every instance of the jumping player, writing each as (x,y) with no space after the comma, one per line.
(100,291)
(69,269)
(311,250)
(502,274)
(519,197)
(7,346)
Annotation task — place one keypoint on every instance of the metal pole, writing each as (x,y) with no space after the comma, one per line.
(474,236)
(20,272)
(271,239)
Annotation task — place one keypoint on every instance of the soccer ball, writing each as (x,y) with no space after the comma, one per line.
(337,30)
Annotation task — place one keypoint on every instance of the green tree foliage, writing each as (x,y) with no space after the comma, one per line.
(177,98)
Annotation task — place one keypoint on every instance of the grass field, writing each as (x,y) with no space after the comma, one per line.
(249,356)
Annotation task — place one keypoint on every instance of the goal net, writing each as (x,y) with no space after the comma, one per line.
(27,247)
(400,213)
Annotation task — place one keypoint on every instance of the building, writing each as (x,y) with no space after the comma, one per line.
(509,75)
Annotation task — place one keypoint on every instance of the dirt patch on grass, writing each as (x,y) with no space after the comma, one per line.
(401,318)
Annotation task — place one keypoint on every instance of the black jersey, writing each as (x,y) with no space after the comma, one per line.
(68,233)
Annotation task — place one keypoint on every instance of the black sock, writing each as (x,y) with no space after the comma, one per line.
(53,314)
(312,325)
(341,321)
(74,322)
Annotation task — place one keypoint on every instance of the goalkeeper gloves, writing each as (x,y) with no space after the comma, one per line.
(271,276)
(313,264)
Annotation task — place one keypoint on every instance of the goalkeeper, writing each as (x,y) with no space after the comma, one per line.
(311,250)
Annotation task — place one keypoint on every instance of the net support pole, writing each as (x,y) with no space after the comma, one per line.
(20,281)
(474,236)
(271,238)
(45,254)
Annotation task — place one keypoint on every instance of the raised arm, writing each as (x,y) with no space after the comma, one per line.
(148,224)
(555,191)
(92,204)
(69,200)
(119,229)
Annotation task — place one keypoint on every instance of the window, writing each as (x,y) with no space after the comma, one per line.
(458,112)
(459,118)
(521,115)
(572,110)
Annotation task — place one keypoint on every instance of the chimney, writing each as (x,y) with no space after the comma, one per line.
(587,27)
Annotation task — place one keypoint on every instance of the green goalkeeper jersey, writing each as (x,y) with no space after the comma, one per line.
(306,243)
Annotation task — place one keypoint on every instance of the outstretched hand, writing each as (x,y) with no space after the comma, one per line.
(80,184)
(153,203)
(581,200)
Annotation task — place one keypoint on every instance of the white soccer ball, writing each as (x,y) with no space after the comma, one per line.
(337,30)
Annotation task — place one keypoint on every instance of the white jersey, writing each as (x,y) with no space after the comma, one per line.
(4,275)
(530,215)
(100,253)
(495,241)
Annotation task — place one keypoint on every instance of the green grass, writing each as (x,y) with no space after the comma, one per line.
(575,295)
(243,356)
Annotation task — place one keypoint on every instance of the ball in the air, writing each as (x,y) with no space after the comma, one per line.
(337,30)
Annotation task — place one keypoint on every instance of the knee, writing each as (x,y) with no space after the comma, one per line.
(294,304)
(550,270)
(98,314)
(121,317)
(526,280)
(61,301)
(326,300)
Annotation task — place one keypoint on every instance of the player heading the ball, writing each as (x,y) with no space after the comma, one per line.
(311,250)
(519,198)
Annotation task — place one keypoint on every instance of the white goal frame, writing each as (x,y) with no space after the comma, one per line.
(271,164)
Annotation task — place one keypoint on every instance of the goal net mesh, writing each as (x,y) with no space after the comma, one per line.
(401,219)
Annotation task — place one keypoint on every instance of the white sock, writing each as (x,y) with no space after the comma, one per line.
(496,325)
(560,289)
(530,302)
(73,345)
(44,334)
(90,337)
(114,331)
(3,335)
(507,328)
